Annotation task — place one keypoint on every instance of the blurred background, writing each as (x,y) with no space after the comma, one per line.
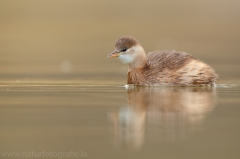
(70,39)
(59,91)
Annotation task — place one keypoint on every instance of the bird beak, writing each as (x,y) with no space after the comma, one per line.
(114,54)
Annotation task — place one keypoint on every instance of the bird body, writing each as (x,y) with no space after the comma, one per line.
(175,68)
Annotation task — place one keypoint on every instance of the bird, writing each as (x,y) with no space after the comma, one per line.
(167,67)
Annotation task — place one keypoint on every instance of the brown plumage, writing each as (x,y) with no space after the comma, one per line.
(162,67)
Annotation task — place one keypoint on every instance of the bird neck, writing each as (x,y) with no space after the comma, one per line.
(140,60)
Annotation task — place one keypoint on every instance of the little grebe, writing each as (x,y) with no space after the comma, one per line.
(162,67)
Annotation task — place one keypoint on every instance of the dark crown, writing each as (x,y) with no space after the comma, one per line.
(125,42)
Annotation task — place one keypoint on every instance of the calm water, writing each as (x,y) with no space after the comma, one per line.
(110,121)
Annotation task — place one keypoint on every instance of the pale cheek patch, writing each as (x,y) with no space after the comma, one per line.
(126,59)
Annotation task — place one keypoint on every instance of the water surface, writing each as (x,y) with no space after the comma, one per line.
(110,121)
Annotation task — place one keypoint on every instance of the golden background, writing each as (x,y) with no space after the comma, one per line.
(72,38)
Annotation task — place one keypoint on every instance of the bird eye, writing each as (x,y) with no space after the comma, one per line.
(123,50)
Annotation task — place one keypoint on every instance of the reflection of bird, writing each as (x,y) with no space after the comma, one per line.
(193,102)
(172,111)
(161,67)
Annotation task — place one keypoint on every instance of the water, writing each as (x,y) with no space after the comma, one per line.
(110,121)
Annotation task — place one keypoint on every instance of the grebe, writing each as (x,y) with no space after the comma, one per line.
(175,68)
